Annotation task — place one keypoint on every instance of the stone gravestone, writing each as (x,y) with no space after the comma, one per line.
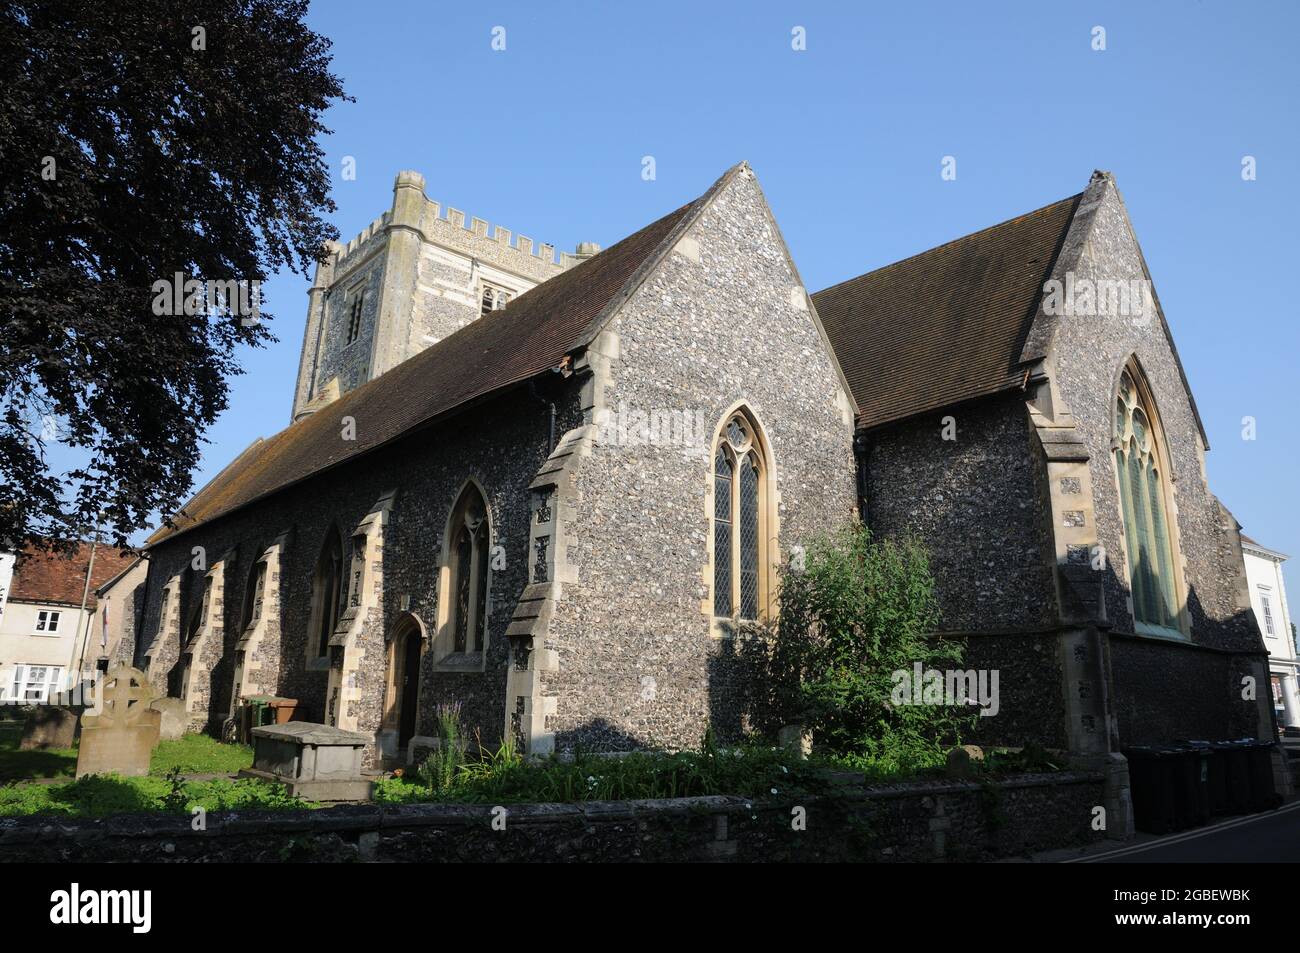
(121,739)
(49,727)
(175,718)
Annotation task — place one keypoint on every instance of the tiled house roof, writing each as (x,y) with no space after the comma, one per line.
(946,325)
(54,578)
(531,335)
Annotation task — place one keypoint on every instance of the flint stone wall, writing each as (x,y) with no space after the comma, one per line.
(1090,352)
(501,445)
(723,319)
(907,822)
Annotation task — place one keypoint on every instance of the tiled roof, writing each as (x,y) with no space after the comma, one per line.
(946,325)
(531,335)
(54,578)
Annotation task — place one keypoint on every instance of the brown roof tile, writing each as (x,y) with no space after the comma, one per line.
(55,578)
(531,335)
(946,325)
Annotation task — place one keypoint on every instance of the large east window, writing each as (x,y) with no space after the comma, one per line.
(1143,489)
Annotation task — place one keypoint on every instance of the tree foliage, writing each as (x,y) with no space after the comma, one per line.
(859,611)
(139,139)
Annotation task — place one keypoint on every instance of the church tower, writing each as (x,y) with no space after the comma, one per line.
(406,282)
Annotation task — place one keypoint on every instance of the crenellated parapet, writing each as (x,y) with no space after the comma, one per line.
(446,226)
(419,272)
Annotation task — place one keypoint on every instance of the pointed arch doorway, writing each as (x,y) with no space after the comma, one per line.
(402,695)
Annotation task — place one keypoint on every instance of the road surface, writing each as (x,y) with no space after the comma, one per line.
(1272,837)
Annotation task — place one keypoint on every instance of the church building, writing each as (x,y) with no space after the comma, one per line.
(558,494)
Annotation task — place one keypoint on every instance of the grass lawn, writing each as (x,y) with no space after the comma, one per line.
(199,754)
(191,754)
(99,796)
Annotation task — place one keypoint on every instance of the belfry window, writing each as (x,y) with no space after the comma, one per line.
(469,542)
(494,299)
(354,316)
(740,562)
(1143,489)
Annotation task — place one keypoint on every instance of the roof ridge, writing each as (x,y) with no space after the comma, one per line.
(487,356)
(961,238)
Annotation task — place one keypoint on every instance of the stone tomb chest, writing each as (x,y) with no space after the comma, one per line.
(317,762)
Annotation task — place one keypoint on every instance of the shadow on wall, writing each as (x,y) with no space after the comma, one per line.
(599,736)
(744,696)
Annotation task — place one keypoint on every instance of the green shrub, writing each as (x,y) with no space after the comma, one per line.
(857,612)
(438,771)
(504,777)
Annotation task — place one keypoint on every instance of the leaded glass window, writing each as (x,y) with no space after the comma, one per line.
(468,565)
(1146,525)
(722,534)
(327,588)
(748,538)
(464,577)
(739,565)
(259,593)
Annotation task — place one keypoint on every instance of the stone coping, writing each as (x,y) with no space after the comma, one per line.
(372,817)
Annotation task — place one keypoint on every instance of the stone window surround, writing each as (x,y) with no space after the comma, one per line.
(497,291)
(1132,366)
(200,613)
(316,661)
(769,526)
(354,300)
(51,619)
(251,614)
(441,642)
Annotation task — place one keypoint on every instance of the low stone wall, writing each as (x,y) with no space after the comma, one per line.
(905,822)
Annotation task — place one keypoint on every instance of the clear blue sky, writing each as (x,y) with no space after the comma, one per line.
(546,138)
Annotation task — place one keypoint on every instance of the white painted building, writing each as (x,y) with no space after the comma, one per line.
(1268,599)
(43,626)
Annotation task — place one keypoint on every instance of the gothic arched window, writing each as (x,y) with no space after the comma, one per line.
(327,593)
(199,613)
(1143,490)
(740,561)
(254,596)
(468,543)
